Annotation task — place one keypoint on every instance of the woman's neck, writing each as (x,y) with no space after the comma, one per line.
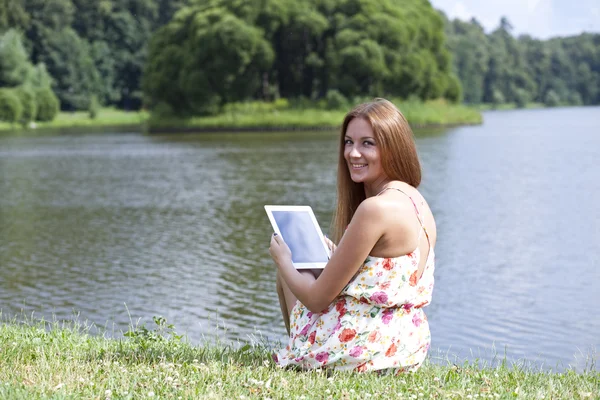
(377,187)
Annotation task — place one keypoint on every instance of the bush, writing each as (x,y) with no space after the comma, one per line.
(498,98)
(10,106)
(521,97)
(28,103)
(334,100)
(93,107)
(47,104)
(551,99)
(454,92)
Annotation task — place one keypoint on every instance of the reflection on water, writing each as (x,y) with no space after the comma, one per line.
(115,224)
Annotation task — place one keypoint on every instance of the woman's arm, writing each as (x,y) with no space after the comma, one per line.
(366,228)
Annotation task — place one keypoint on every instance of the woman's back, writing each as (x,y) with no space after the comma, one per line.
(377,321)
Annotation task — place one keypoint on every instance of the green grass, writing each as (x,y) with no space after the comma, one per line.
(40,360)
(106,117)
(254,116)
(419,114)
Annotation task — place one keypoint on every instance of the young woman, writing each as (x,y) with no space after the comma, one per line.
(364,312)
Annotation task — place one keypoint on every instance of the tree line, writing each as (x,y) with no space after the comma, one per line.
(93,51)
(498,68)
(194,56)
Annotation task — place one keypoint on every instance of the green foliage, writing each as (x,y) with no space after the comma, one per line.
(94,107)
(163,332)
(207,53)
(335,100)
(497,97)
(454,91)
(14,62)
(39,77)
(551,99)
(221,51)
(10,106)
(204,59)
(498,67)
(521,97)
(48,104)
(27,99)
(68,60)
(12,15)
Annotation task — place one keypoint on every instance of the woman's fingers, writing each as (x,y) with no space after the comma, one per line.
(330,244)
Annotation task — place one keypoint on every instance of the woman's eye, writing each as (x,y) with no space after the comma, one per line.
(367,143)
(347,141)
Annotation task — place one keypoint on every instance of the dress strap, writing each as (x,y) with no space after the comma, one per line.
(419,217)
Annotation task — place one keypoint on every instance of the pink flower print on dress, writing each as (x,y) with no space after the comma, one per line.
(322,357)
(379,297)
(407,306)
(337,326)
(417,320)
(304,330)
(356,351)
(387,316)
(311,338)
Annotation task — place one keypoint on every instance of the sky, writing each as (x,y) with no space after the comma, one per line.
(539,18)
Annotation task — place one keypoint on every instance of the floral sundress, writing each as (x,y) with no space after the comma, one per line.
(377,322)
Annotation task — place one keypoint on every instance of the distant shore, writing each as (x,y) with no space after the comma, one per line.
(253,117)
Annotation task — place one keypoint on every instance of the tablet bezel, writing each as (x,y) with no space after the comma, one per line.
(313,265)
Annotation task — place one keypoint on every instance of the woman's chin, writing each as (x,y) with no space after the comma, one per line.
(357,178)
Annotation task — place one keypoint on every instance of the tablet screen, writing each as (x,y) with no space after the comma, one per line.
(301,236)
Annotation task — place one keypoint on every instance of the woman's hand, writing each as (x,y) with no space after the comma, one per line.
(279,250)
(330,244)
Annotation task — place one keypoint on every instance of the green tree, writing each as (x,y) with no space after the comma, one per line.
(204,59)
(48,104)
(68,60)
(28,102)
(12,15)
(15,66)
(10,106)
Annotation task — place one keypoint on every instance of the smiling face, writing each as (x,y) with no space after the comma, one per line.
(362,154)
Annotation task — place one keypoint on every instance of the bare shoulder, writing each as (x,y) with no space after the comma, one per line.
(385,210)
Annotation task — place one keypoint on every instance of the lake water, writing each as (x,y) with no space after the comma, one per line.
(119,227)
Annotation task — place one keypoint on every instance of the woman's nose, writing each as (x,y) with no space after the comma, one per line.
(354,153)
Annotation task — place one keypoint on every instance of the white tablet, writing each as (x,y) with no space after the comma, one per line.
(299,229)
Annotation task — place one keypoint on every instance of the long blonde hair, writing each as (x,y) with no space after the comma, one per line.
(398,151)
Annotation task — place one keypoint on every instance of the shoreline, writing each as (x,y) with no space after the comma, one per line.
(142,128)
(246,117)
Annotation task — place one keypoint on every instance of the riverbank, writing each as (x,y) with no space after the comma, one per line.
(509,106)
(254,116)
(263,116)
(51,360)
